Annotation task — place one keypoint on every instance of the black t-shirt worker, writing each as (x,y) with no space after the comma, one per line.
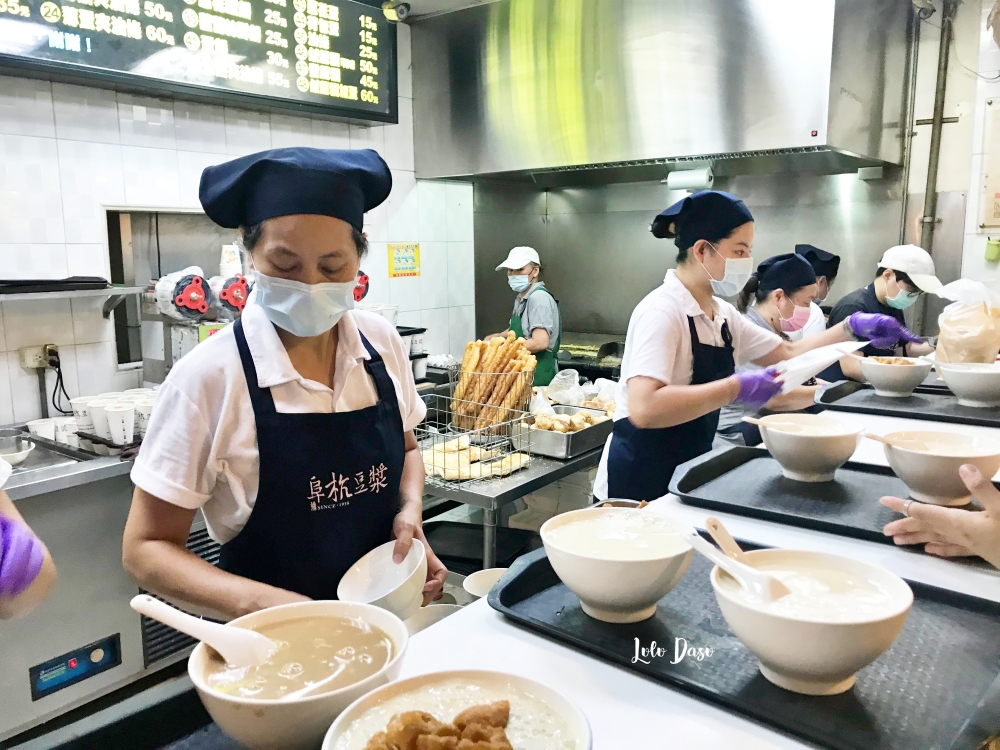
(904,273)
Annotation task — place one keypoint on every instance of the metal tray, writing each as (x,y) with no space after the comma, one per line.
(562,444)
(936,687)
(748,482)
(926,403)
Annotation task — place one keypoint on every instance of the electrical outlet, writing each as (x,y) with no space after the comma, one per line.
(36,357)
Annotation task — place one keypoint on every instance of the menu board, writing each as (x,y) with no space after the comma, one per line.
(307,54)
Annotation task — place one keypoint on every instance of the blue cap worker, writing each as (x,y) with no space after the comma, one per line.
(904,273)
(683,346)
(827,266)
(292,428)
(536,315)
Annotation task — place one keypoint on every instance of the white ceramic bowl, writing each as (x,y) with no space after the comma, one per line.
(45,428)
(810,447)
(613,590)
(811,656)
(376,579)
(292,724)
(930,462)
(973,384)
(424,617)
(579,728)
(479,583)
(896,381)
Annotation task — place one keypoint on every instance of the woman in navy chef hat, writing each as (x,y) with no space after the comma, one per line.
(292,429)
(683,346)
(827,266)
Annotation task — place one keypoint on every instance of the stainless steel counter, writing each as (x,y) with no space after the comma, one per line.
(53,466)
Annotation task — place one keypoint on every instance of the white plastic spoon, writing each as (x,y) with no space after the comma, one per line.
(763,586)
(724,539)
(239,647)
(774,425)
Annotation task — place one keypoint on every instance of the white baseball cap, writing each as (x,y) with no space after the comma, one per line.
(915,262)
(519,257)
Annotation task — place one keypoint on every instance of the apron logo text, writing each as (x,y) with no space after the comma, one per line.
(341,488)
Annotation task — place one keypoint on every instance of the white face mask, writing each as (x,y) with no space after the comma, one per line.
(303,309)
(736,276)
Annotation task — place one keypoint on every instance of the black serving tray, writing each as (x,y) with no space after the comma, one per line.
(748,482)
(927,402)
(936,688)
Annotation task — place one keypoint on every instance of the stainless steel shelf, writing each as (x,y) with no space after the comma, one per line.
(113,291)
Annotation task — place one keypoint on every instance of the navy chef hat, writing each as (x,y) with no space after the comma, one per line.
(342,183)
(824,263)
(787,272)
(707,214)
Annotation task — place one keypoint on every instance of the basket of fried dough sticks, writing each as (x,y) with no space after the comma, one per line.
(494,383)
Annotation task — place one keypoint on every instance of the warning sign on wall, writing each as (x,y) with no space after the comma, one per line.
(404,259)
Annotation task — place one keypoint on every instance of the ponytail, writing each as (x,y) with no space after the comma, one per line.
(752,289)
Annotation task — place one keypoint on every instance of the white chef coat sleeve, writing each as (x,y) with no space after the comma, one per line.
(175,460)
(750,341)
(656,340)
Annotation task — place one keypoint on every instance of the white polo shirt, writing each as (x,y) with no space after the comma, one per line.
(200,449)
(658,345)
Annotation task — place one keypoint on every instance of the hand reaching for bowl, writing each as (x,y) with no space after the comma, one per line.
(952,532)
(883,331)
(757,387)
(407,525)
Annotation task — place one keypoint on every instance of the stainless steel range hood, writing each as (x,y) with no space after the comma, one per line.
(582,91)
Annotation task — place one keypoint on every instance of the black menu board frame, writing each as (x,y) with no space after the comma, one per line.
(384,84)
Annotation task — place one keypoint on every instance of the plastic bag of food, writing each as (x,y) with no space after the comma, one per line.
(969,333)
(565,388)
(540,405)
(590,391)
(970,328)
(606,390)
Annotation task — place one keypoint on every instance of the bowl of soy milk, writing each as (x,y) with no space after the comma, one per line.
(840,616)
(810,447)
(619,561)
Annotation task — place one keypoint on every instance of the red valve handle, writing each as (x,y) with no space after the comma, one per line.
(193,296)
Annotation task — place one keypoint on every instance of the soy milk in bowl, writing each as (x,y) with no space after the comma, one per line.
(840,616)
(619,561)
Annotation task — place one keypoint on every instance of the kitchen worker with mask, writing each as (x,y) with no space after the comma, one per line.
(291,429)
(904,273)
(826,266)
(684,343)
(536,315)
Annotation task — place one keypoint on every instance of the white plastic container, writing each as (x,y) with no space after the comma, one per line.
(66,431)
(406,342)
(81,412)
(121,421)
(45,428)
(143,411)
(420,368)
(417,343)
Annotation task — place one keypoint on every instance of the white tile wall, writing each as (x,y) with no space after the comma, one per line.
(68,152)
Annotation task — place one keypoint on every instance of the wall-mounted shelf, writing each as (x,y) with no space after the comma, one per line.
(115,295)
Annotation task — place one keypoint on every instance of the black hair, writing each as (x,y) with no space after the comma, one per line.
(753,289)
(900,276)
(252,235)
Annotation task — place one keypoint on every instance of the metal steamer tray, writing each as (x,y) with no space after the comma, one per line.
(932,403)
(936,687)
(748,482)
(562,444)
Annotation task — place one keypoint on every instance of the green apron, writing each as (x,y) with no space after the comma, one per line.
(546,365)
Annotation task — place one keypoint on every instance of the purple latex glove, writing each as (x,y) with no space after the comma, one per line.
(21,556)
(757,387)
(883,331)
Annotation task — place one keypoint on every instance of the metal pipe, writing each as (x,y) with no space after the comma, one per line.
(929,219)
(42,392)
(909,112)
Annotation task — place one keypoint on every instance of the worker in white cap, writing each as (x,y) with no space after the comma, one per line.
(536,314)
(904,273)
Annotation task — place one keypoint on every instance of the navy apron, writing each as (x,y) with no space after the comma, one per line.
(329,487)
(641,462)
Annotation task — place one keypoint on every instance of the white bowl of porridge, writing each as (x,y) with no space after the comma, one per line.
(842,614)
(536,716)
(928,463)
(810,447)
(337,651)
(619,561)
